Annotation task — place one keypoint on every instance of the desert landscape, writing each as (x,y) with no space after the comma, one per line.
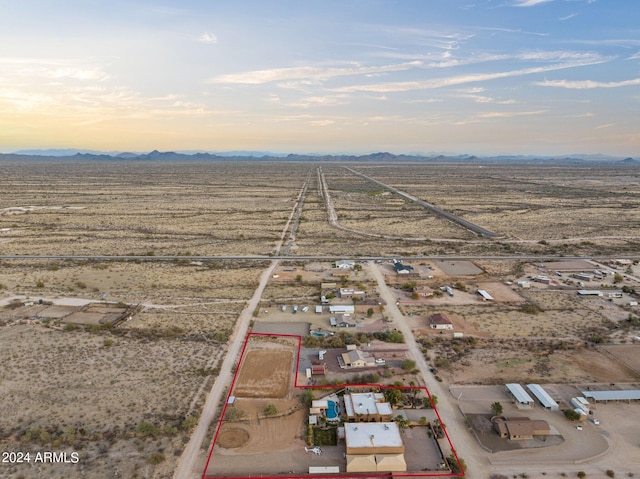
(122,285)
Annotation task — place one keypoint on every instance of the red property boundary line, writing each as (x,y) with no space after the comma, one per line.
(332,386)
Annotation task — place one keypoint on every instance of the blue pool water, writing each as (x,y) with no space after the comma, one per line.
(332,410)
(318,334)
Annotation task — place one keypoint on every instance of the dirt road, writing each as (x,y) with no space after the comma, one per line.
(461,439)
(188,463)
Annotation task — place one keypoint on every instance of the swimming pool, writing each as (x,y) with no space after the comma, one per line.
(332,410)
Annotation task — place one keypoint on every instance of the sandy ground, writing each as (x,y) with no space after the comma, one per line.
(264,374)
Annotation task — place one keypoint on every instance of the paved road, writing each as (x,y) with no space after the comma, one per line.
(539,258)
(462,441)
(445,214)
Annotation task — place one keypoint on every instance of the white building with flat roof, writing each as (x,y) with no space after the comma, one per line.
(373,438)
(367,407)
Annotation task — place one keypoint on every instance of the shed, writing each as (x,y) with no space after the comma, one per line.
(318,370)
(623,395)
(523,400)
(324,469)
(342,308)
(542,396)
(589,292)
(485,296)
(318,309)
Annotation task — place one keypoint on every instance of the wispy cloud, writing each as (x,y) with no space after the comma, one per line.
(257,77)
(530,3)
(28,69)
(587,84)
(568,17)
(510,114)
(455,80)
(607,125)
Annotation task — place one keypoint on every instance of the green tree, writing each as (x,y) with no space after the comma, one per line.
(571,415)
(618,278)
(581,474)
(408,364)
(393,396)
(369,312)
(454,466)
(395,337)
(401,422)
(496,408)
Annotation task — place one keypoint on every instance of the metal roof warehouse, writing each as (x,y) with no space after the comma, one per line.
(521,396)
(542,396)
(626,395)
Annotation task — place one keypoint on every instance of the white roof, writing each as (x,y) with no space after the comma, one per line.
(542,395)
(384,408)
(342,308)
(590,292)
(519,393)
(366,403)
(485,295)
(627,395)
(319,403)
(372,434)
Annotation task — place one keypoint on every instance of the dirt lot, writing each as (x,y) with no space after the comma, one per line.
(501,292)
(459,268)
(264,374)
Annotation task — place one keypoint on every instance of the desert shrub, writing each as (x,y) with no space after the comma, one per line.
(155,457)
(146,429)
(189,423)
(530,308)
(270,410)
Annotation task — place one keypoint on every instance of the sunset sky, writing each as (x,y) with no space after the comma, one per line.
(548,77)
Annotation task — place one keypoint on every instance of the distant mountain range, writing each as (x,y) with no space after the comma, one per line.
(381,157)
